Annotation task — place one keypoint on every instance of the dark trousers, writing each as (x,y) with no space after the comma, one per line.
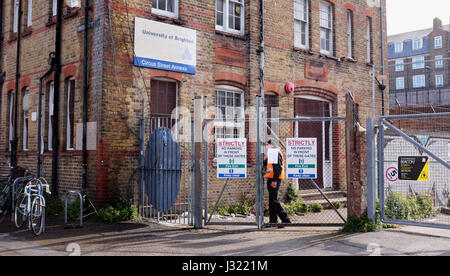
(275,208)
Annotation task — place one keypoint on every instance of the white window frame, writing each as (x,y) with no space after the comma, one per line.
(16,16)
(398,81)
(301,18)
(225,27)
(439,83)
(417,44)
(54,7)
(228,123)
(30,13)
(26,126)
(369,39)
(439,62)
(349,34)
(416,83)
(418,62)
(326,28)
(70,91)
(164,12)
(399,65)
(398,47)
(438,42)
(51,107)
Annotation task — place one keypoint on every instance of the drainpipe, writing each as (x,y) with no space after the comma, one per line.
(261,47)
(14,142)
(57,70)
(382,55)
(2,74)
(85,94)
(51,62)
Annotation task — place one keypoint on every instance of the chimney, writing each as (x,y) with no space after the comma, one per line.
(437,23)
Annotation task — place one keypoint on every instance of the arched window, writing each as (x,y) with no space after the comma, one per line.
(25,113)
(70,113)
(229,107)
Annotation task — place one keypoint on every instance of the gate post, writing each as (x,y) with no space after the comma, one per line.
(371,205)
(354,165)
(197,156)
(141,163)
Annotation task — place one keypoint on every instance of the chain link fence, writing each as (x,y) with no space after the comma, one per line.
(416,169)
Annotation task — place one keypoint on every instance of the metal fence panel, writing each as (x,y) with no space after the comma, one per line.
(411,194)
(178,210)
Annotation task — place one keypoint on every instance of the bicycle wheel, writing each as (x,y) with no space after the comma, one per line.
(4,204)
(20,211)
(37,216)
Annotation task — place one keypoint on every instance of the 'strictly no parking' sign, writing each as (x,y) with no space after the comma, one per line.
(231,158)
(301,158)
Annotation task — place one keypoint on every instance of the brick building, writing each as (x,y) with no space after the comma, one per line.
(325,48)
(419,67)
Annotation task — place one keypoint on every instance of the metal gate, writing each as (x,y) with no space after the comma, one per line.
(322,198)
(166,166)
(414,169)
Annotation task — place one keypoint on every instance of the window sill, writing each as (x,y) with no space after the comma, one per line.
(168,19)
(302,50)
(12,37)
(227,34)
(328,56)
(27,31)
(71,13)
(350,59)
(51,21)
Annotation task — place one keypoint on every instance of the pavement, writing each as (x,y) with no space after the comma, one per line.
(218,240)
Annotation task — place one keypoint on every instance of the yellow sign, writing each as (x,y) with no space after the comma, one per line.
(425,174)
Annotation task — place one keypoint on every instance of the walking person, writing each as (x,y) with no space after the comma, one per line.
(274,174)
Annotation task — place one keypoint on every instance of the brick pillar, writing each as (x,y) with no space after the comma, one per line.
(356,165)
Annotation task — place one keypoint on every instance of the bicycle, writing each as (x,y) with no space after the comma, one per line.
(30,205)
(6,195)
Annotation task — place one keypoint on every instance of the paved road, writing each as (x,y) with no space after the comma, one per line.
(152,240)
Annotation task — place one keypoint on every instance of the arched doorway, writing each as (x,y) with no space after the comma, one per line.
(311,106)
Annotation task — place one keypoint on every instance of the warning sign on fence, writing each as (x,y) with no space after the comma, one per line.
(231,158)
(301,158)
(416,168)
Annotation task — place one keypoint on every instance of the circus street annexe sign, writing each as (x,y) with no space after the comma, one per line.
(301,158)
(231,158)
(163,46)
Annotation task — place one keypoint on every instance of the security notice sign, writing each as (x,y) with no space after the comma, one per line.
(416,168)
(301,158)
(231,158)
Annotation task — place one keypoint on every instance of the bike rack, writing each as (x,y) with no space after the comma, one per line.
(81,197)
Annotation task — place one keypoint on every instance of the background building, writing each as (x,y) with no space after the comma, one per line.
(419,67)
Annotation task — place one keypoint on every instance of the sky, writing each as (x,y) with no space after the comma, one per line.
(410,15)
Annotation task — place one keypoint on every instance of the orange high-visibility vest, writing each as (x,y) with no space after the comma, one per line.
(269,172)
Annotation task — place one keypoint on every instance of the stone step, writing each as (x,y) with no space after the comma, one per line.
(317,196)
(325,204)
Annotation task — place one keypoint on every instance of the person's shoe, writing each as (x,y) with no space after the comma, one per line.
(285,222)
